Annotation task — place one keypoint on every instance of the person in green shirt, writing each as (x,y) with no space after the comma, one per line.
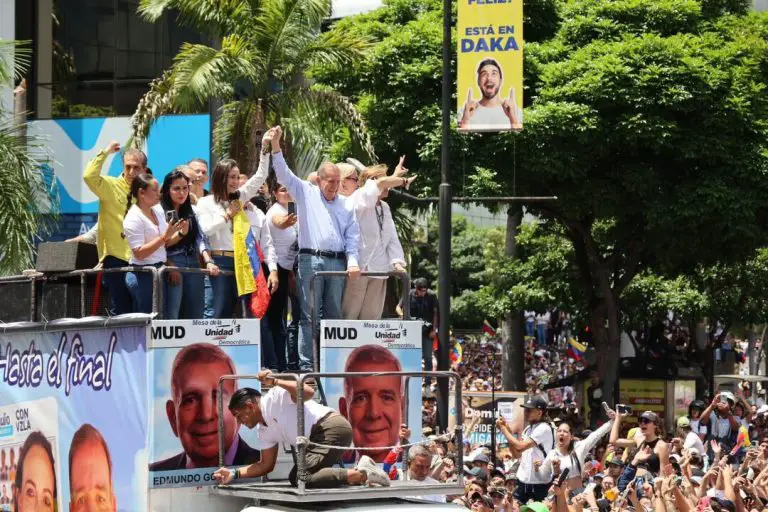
(113,199)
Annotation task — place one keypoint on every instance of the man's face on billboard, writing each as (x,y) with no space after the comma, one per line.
(193,413)
(90,485)
(374,407)
(489,80)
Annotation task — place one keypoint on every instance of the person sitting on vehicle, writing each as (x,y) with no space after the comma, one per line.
(274,417)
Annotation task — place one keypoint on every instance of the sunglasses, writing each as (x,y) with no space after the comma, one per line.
(645,421)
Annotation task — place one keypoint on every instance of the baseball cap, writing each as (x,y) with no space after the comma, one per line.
(476,473)
(649,415)
(499,491)
(725,504)
(613,461)
(510,476)
(534,507)
(727,395)
(536,402)
(486,498)
(683,422)
(481,457)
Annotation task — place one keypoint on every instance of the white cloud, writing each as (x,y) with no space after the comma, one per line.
(343,8)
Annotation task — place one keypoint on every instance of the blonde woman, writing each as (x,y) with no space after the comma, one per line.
(380,248)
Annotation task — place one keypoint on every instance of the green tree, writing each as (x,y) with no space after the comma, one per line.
(647,118)
(257,69)
(26,204)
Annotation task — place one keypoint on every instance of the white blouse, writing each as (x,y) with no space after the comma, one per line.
(380,247)
(139,229)
(211,214)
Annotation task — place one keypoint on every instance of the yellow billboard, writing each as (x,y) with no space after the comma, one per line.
(490,65)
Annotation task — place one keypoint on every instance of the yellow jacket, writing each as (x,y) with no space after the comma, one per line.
(113,198)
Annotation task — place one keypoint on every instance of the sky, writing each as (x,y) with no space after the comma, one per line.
(348,7)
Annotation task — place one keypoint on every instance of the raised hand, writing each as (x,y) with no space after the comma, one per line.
(277,134)
(113,147)
(400,170)
(510,109)
(470,107)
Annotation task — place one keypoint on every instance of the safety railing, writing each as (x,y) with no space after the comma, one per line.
(403,276)
(301,467)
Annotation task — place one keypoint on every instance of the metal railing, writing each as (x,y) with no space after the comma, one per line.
(301,470)
(403,276)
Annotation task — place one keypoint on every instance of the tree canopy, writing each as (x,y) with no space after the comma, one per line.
(647,118)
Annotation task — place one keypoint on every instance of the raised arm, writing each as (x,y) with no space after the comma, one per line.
(708,411)
(265,377)
(92,175)
(284,175)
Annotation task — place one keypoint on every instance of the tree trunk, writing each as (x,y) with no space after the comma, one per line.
(513,341)
(604,323)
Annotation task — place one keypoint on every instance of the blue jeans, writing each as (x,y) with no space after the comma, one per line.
(184,300)
(293,331)
(224,288)
(327,300)
(208,297)
(145,282)
(541,334)
(530,328)
(123,287)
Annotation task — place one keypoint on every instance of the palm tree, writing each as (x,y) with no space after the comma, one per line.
(258,70)
(26,200)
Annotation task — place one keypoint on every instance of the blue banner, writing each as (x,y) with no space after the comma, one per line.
(73,419)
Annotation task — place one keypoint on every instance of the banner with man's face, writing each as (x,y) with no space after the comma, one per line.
(187,358)
(73,418)
(490,65)
(376,407)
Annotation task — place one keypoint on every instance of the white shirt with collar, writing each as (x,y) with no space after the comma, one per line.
(380,248)
(211,216)
(279,412)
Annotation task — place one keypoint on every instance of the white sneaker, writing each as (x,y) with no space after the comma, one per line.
(373,474)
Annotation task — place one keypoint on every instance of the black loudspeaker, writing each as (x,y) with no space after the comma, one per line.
(66,256)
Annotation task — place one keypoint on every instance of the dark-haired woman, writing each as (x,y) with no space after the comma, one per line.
(571,454)
(216,212)
(147,233)
(184,291)
(35,483)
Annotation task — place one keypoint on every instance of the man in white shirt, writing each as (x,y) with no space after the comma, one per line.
(419,464)
(274,416)
(329,237)
(537,440)
(491,112)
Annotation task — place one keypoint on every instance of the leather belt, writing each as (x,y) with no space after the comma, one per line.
(324,254)
(229,254)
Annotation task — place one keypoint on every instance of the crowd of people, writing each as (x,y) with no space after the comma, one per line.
(336,220)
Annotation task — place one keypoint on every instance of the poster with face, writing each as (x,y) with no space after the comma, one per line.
(376,407)
(73,419)
(187,359)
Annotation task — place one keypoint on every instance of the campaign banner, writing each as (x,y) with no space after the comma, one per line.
(73,419)
(481,409)
(376,407)
(187,358)
(643,395)
(490,65)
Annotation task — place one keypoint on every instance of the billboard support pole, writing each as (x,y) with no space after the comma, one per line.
(444,253)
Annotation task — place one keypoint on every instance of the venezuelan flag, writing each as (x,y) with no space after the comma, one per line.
(456,353)
(575,349)
(248,273)
(487,329)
